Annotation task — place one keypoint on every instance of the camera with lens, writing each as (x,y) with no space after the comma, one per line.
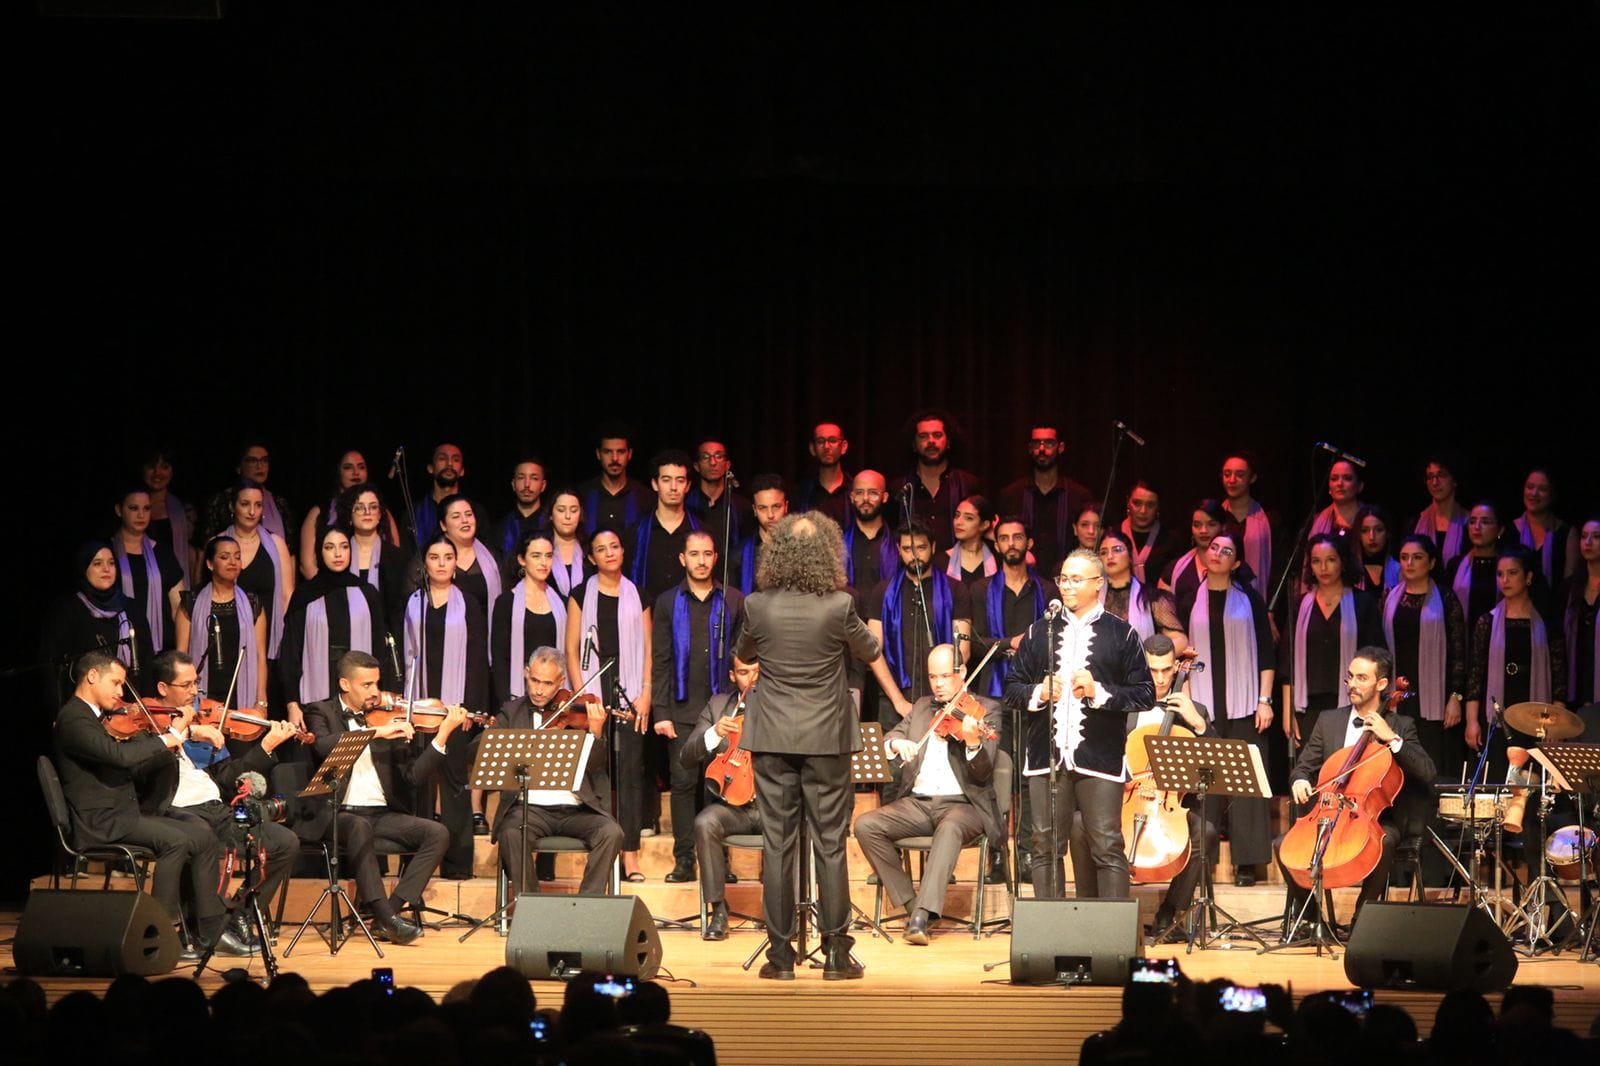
(253,811)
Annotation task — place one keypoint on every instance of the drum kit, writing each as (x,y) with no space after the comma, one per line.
(1541,918)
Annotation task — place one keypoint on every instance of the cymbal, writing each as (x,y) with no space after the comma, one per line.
(1556,723)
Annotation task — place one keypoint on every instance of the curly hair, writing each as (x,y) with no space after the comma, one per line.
(805,554)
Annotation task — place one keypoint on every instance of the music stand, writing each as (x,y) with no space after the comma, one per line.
(867,766)
(1576,768)
(527,760)
(331,776)
(1207,765)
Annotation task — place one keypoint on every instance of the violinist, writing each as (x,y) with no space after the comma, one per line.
(378,800)
(206,793)
(1367,680)
(97,778)
(949,793)
(582,814)
(721,717)
(694,626)
(1161,655)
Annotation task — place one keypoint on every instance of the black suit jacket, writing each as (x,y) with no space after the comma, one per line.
(401,768)
(164,785)
(694,755)
(595,788)
(1416,795)
(97,774)
(802,705)
(976,775)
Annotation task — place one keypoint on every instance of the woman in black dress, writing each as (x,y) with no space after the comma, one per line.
(331,613)
(1328,623)
(149,575)
(267,573)
(1424,627)
(93,615)
(1472,576)
(223,627)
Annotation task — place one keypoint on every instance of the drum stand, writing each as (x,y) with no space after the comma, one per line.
(1533,915)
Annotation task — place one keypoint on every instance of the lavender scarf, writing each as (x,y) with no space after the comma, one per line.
(373,578)
(630,633)
(275,612)
(1142,555)
(567,576)
(1461,583)
(1258,543)
(1347,646)
(1574,607)
(1430,649)
(199,634)
(124,628)
(1539,683)
(1239,642)
(271,517)
(178,518)
(314,681)
(1547,554)
(943,621)
(953,569)
(1455,534)
(155,615)
(519,657)
(1326,522)
(453,683)
(490,568)
(1139,614)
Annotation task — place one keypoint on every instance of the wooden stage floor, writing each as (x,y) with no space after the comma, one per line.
(916,1005)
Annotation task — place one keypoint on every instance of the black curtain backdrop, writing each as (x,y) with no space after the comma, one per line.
(361,230)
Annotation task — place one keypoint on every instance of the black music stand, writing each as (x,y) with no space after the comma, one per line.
(527,760)
(332,777)
(867,766)
(1575,768)
(1207,765)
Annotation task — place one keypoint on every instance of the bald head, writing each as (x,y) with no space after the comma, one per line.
(944,676)
(868,493)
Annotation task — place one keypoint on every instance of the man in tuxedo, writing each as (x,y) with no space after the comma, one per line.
(800,723)
(1367,679)
(97,779)
(378,797)
(951,795)
(720,717)
(557,812)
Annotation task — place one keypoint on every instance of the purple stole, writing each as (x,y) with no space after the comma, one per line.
(591,508)
(943,621)
(641,545)
(1140,618)
(953,571)
(453,682)
(1431,639)
(1547,554)
(372,578)
(1142,555)
(178,518)
(1455,534)
(314,681)
(1539,681)
(630,634)
(994,604)
(1258,543)
(747,564)
(275,611)
(1347,645)
(1570,624)
(155,616)
(1326,523)
(888,555)
(124,627)
(1461,583)
(272,518)
(518,623)
(199,634)
(1239,641)
(566,577)
(490,566)
(680,644)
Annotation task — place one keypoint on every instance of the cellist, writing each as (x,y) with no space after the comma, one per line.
(717,730)
(1367,680)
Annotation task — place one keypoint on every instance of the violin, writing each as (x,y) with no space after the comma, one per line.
(1154,821)
(954,715)
(425,716)
(731,776)
(1340,833)
(136,718)
(572,711)
(240,725)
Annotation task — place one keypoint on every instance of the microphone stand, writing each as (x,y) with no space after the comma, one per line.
(729,483)
(405,495)
(1118,431)
(1056,873)
(1296,550)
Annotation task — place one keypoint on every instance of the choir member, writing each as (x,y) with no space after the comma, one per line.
(771,503)
(1583,647)
(1184,575)
(150,576)
(828,490)
(1554,542)
(1344,500)
(1472,578)
(94,615)
(1380,569)
(223,628)
(1426,631)
(1245,518)
(1444,519)
(267,570)
(1086,525)
(1049,502)
(571,545)
(1149,610)
(172,522)
(477,570)
(446,467)
(723,513)
(1331,620)
(656,544)
(351,473)
(912,611)
(970,557)
(527,514)
(255,464)
(1153,546)
(530,614)
(869,544)
(332,612)
(933,487)
(613,498)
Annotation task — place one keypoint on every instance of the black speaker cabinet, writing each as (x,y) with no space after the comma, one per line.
(552,935)
(1077,941)
(1428,945)
(94,934)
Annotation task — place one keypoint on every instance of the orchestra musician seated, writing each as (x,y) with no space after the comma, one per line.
(951,794)
(583,814)
(729,810)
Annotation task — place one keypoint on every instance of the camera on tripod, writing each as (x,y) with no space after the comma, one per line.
(250,810)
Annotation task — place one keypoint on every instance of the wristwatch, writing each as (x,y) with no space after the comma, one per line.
(1264,699)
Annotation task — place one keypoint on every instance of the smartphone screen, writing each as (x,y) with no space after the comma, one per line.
(384,975)
(1243,1000)
(1153,971)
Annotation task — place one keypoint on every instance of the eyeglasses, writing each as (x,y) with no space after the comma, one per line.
(1113,549)
(1223,553)
(253,459)
(826,440)
(1076,580)
(713,457)
(367,508)
(184,684)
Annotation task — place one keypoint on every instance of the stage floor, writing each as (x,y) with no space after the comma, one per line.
(916,1005)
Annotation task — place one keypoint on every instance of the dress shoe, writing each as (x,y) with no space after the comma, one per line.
(480,824)
(681,874)
(241,928)
(717,924)
(229,944)
(771,971)
(839,966)
(996,874)
(395,929)
(1244,879)
(731,878)
(917,928)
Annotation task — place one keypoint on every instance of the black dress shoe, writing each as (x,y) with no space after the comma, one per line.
(771,971)
(839,966)
(395,929)
(229,944)
(480,824)
(1244,879)
(717,924)
(241,927)
(731,878)
(681,874)
(917,928)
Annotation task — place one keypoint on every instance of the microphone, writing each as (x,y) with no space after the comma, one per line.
(133,649)
(1055,609)
(729,480)
(1122,427)
(589,640)
(1354,460)
(394,464)
(394,656)
(216,641)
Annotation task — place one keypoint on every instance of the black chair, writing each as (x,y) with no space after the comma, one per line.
(748,841)
(55,801)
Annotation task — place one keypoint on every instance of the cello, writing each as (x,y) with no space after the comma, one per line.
(1154,821)
(1340,833)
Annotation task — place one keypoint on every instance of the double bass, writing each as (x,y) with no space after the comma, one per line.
(1155,822)
(1341,831)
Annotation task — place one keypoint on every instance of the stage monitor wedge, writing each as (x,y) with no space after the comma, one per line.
(554,936)
(1074,941)
(1438,946)
(94,934)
